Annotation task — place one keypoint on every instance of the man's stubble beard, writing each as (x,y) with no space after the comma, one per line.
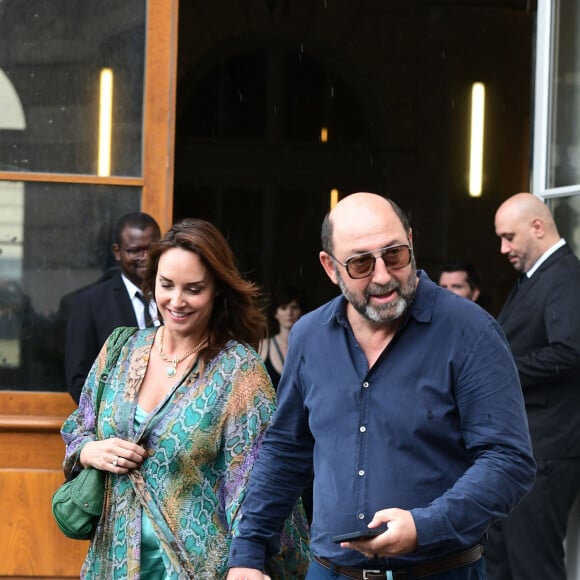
(383,313)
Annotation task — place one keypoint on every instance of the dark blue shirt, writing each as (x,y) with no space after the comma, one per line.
(436,426)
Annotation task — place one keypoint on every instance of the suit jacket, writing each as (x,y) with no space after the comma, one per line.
(94,313)
(541,320)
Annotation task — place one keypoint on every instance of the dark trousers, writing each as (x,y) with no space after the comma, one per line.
(475,571)
(529,543)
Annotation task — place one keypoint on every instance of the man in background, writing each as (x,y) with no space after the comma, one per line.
(461,278)
(95,311)
(541,320)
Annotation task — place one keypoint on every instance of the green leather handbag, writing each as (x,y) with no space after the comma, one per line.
(77,504)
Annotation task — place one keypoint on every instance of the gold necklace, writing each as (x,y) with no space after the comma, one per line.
(171,370)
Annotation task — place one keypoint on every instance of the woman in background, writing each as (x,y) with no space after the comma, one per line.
(287,306)
(180,422)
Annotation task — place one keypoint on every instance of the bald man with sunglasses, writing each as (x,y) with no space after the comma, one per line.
(407,403)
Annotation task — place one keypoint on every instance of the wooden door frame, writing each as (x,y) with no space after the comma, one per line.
(31,449)
(159,115)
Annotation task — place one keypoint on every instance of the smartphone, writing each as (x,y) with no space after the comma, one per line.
(360,535)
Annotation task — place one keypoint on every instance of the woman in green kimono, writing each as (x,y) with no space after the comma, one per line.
(180,422)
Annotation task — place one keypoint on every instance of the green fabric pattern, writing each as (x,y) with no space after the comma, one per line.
(202,439)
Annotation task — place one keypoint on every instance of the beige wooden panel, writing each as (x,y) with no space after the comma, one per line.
(26,450)
(30,542)
(31,454)
(27,404)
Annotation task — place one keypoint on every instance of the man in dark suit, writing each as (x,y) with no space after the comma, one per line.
(96,310)
(541,319)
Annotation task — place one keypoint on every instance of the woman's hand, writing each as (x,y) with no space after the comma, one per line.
(114,455)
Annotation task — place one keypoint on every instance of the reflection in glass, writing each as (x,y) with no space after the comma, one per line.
(11,113)
(105,121)
(566,212)
(13,308)
(14,305)
(54,239)
(564,156)
(51,57)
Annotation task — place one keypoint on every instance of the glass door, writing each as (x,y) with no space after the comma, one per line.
(556,155)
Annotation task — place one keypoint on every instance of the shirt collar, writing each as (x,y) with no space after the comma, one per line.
(545,256)
(132,289)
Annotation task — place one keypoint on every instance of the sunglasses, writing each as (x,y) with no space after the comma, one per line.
(363,265)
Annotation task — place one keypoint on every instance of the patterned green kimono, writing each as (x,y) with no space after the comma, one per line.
(202,441)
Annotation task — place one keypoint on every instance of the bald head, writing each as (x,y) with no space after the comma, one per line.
(526,228)
(357,234)
(527,206)
(354,215)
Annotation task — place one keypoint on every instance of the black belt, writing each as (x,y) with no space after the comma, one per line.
(419,571)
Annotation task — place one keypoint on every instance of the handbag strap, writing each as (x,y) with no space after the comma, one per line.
(118,338)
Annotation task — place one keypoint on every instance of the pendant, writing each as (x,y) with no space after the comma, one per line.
(170,371)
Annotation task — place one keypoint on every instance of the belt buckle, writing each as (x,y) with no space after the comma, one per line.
(365,572)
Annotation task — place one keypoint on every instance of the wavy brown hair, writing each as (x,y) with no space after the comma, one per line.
(238,307)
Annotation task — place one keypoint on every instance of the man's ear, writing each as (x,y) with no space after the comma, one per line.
(116,252)
(411,237)
(328,265)
(538,227)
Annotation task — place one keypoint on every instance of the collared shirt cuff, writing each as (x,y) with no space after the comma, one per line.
(246,553)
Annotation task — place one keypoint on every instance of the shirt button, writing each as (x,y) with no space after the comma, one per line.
(361,516)
(365,385)
(363,429)
(361,471)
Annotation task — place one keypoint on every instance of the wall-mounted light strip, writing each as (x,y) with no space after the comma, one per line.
(333,197)
(476,148)
(324,134)
(105,122)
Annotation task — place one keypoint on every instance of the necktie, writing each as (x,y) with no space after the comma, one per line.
(522,280)
(146,313)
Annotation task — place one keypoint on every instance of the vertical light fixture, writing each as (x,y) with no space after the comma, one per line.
(476,146)
(324,134)
(105,122)
(333,197)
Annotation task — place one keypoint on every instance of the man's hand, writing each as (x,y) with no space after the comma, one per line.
(246,574)
(399,538)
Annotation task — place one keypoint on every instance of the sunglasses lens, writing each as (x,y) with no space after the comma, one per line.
(397,258)
(360,267)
